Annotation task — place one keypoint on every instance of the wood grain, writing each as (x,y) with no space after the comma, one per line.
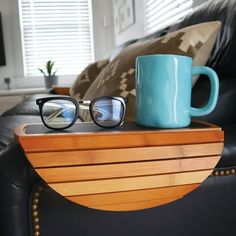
(130,206)
(61,90)
(130,196)
(80,173)
(118,139)
(124,170)
(127,184)
(66,158)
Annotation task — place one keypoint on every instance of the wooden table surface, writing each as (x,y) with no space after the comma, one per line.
(128,168)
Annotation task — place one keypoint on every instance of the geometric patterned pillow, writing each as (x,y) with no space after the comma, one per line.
(118,77)
(86,77)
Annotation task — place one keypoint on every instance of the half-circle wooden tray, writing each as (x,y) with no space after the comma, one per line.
(129,168)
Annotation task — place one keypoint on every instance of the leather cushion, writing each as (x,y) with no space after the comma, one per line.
(7,125)
(28,106)
(225,111)
(228,157)
(222,58)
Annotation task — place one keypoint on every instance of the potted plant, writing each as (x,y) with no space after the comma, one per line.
(50,77)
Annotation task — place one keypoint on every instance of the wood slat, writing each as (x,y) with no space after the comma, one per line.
(132,196)
(132,183)
(118,139)
(61,90)
(130,206)
(66,158)
(129,168)
(80,173)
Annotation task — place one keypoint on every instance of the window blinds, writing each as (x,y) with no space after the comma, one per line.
(57,30)
(160,14)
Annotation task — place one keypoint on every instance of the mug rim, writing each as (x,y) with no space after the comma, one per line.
(165,55)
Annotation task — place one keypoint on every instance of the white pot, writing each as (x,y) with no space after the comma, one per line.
(50,81)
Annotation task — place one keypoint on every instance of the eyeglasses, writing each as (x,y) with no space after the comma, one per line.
(62,112)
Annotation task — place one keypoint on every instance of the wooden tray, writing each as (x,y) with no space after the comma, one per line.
(128,168)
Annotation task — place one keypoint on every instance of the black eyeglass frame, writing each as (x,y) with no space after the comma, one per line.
(41,101)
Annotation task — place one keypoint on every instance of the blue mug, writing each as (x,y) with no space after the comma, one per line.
(164,88)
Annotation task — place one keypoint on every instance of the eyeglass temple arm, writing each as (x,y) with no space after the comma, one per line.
(126,100)
(85,105)
(103,111)
(56,113)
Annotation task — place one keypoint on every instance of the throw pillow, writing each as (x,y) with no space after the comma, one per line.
(118,77)
(86,77)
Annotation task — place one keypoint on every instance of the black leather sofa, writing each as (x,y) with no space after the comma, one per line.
(28,207)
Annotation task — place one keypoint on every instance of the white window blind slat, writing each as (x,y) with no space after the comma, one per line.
(58,30)
(166,7)
(160,14)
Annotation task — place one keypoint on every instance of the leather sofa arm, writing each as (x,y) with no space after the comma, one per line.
(16,181)
(60,90)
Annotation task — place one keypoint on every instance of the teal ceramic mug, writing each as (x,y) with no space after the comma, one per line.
(164,88)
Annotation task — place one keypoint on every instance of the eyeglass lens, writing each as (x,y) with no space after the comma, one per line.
(58,113)
(107,112)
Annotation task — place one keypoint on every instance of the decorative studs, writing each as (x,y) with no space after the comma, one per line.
(35,210)
(35,213)
(36,233)
(224,172)
(36,201)
(36,227)
(36,194)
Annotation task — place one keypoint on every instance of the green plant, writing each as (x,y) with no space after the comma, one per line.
(49,69)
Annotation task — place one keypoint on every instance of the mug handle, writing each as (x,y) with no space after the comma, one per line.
(214,81)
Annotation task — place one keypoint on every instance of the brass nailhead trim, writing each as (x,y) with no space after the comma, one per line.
(37,233)
(35,211)
(224,172)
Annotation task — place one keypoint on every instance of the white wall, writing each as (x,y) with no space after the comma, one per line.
(103,28)
(137,29)
(103,43)
(8,9)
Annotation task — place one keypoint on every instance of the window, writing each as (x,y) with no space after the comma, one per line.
(160,14)
(57,30)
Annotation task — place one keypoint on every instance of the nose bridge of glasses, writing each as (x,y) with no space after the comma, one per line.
(84,105)
(84,102)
